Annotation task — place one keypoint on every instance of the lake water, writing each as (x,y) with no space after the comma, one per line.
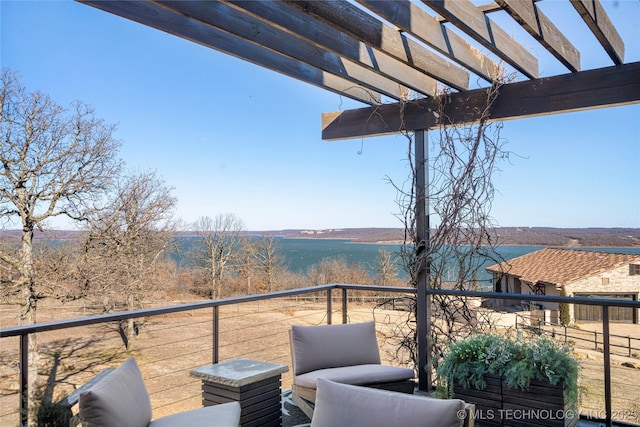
(301,254)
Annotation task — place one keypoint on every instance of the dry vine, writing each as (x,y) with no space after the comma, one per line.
(460,195)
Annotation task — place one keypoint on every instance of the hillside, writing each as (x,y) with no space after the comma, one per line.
(525,236)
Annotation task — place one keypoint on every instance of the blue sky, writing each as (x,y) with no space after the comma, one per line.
(231,137)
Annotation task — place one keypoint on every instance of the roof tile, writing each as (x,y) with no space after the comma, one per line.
(561,266)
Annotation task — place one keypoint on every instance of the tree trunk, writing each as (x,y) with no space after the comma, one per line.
(131,322)
(28,313)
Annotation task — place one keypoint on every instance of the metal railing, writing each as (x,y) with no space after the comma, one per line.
(624,345)
(23,333)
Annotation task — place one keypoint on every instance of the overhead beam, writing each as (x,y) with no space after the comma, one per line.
(472,21)
(424,27)
(231,20)
(600,25)
(177,24)
(364,27)
(327,37)
(527,14)
(584,90)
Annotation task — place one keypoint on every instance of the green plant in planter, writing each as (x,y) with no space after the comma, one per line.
(517,361)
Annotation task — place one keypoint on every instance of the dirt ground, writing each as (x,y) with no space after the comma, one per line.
(169,346)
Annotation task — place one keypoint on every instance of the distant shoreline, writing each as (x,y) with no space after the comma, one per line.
(507,236)
(398,242)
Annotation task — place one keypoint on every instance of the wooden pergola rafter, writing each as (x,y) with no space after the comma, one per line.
(395,56)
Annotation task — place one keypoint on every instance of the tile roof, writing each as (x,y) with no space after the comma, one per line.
(562,266)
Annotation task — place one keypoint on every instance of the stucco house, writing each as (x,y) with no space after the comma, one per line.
(582,273)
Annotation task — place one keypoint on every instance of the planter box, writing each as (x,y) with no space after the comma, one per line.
(501,405)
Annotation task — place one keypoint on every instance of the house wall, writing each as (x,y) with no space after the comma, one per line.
(509,284)
(554,292)
(614,281)
(620,282)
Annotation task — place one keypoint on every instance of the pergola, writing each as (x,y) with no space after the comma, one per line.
(395,56)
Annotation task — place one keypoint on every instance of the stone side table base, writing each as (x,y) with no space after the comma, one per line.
(256,385)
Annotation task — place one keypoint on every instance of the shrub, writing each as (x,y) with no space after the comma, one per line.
(517,361)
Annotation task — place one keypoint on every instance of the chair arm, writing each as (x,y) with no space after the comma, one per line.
(72,398)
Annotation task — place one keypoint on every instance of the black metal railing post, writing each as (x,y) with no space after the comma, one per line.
(344,305)
(607,364)
(24,380)
(329,307)
(216,334)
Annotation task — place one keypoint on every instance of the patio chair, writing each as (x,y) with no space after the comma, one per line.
(345,353)
(339,405)
(120,399)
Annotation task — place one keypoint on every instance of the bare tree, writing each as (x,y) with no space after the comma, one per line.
(219,238)
(246,263)
(269,261)
(386,268)
(339,270)
(126,245)
(54,161)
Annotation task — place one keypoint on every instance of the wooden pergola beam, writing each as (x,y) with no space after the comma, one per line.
(601,26)
(426,28)
(472,21)
(365,28)
(329,38)
(180,25)
(527,14)
(603,87)
(224,17)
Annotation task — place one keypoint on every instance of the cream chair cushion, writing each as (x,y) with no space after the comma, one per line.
(118,400)
(222,415)
(121,400)
(340,405)
(333,346)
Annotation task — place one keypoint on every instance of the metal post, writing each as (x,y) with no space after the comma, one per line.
(423,308)
(24,380)
(344,306)
(329,307)
(607,364)
(216,336)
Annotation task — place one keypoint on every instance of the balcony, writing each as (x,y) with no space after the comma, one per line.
(173,340)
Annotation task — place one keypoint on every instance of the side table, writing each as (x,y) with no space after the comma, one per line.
(255,384)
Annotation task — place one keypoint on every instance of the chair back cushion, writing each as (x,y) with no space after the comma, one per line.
(118,400)
(333,346)
(339,405)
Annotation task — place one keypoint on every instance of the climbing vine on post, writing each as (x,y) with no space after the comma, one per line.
(462,237)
